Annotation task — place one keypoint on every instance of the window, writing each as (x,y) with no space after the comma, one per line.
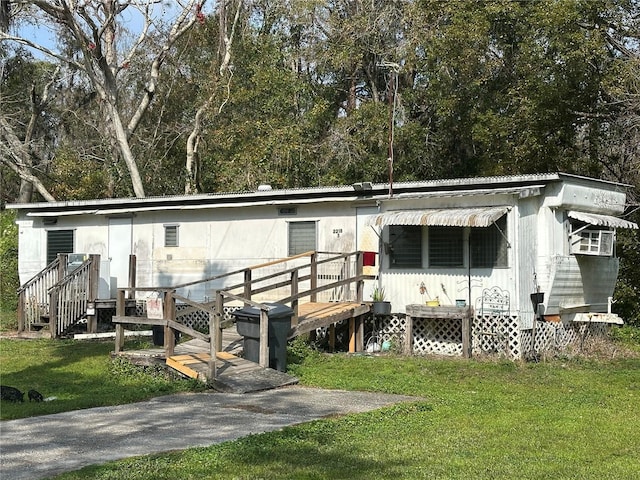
(446,247)
(302,237)
(171,235)
(405,246)
(58,241)
(489,245)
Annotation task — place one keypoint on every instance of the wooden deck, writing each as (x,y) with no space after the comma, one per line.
(316,315)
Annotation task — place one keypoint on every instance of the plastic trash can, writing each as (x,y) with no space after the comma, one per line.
(279,324)
(157,332)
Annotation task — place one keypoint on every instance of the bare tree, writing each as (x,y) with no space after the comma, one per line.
(102,48)
(19,155)
(224,73)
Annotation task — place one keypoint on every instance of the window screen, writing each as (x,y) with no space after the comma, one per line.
(489,245)
(302,237)
(405,246)
(58,241)
(446,247)
(171,235)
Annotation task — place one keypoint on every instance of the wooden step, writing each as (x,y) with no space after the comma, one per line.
(38,325)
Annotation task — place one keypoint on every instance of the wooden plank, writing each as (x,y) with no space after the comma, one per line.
(447,312)
(316,315)
(408,335)
(466,337)
(127,333)
(180,367)
(264,339)
(352,335)
(188,331)
(138,320)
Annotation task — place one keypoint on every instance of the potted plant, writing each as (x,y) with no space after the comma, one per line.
(380,305)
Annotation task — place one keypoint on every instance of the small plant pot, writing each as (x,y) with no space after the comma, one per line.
(381,308)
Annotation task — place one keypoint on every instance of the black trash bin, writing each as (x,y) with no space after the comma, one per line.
(248,325)
(157,332)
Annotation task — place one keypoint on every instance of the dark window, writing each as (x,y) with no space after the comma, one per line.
(58,241)
(302,237)
(405,246)
(489,245)
(446,247)
(171,235)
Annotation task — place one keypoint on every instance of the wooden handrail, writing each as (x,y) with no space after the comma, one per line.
(51,267)
(224,295)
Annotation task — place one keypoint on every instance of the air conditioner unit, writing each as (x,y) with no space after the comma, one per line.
(593,242)
(75,261)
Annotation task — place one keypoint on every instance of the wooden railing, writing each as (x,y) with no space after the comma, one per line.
(57,298)
(286,279)
(70,297)
(33,296)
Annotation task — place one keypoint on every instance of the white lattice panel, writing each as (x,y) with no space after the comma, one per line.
(496,334)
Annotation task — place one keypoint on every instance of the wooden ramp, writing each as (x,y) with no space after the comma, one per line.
(314,315)
(233,374)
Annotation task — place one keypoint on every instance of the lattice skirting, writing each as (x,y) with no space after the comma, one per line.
(496,334)
(490,335)
(558,337)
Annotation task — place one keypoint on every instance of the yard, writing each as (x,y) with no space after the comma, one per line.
(568,417)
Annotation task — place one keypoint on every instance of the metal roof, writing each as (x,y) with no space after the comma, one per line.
(440,187)
(443,217)
(601,220)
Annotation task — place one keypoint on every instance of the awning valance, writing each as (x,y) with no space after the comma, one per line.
(601,220)
(442,217)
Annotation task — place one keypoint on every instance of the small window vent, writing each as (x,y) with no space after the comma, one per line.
(287,211)
(593,242)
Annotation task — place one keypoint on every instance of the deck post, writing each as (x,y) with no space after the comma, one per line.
(294,297)
(314,276)
(332,337)
(217,340)
(21,299)
(466,334)
(94,279)
(264,338)
(352,335)
(213,337)
(53,313)
(408,335)
(169,314)
(359,272)
(120,311)
(247,285)
(359,334)
(132,275)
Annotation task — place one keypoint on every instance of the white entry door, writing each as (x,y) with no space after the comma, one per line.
(119,250)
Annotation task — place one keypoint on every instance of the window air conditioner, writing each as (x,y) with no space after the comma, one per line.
(593,242)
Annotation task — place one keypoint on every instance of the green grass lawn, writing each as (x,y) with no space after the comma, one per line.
(479,419)
(74,373)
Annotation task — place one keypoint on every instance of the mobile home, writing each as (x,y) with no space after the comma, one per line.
(523,252)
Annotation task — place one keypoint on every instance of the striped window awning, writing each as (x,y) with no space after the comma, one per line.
(442,217)
(601,220)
